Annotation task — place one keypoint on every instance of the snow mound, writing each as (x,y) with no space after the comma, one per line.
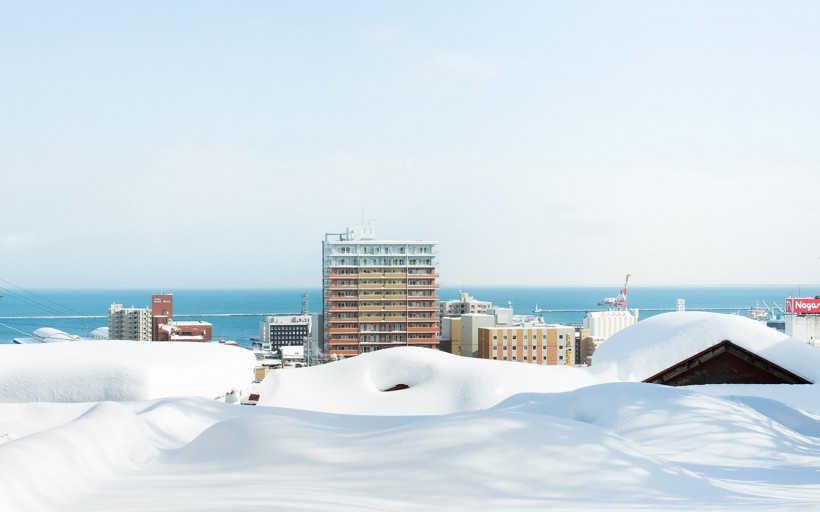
(478,460)
(47,467)
(687,427)
(93,371)
(436,383)
(653,345)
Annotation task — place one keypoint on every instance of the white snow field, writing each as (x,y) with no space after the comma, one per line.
(95,371)
(465,435)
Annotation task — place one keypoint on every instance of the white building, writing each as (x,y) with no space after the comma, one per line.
(465,304)
(803,319)
(603,324)
(129,323)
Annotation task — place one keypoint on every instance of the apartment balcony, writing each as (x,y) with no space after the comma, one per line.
(395,308)
(342,320)
(342,341)
(342,330)
(421,308)
(334,275)
(428,319)
(370,286)
(400,286)
(419,275)
(422,286)
(395,275)
(336,298)
(425,298)
(426,341)
(342,352)
(371,308)
(342,287)
(336,309)
(430,330)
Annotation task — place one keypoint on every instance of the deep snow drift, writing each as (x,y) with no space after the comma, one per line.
(93,371)
(465,435)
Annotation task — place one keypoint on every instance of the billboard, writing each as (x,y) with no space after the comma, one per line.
(803,306)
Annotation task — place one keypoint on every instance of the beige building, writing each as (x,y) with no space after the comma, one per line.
(129,323)
(470,325)
(546,344)
(451,335)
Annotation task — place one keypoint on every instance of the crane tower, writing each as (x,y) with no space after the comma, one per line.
(617,303)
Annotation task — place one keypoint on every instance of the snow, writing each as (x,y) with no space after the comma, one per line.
(466,434)
(438,383)
(93,371)
(655,344)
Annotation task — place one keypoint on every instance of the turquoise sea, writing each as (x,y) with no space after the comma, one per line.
(62,302)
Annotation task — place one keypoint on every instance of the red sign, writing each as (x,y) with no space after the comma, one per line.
(803,306)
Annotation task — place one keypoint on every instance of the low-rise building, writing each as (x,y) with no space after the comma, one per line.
(464,305)
(451,335)
(194,330)
(165,328)
(534,343)
(802,320)
(279,331)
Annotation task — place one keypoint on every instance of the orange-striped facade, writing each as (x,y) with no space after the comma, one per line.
(378,294)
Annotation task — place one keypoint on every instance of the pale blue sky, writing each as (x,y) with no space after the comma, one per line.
(178,144)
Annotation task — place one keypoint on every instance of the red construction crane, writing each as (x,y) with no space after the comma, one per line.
(617,303)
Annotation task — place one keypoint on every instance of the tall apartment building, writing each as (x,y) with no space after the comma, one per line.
(129,323)
(377,293)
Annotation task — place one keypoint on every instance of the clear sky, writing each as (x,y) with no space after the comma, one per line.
(212,144)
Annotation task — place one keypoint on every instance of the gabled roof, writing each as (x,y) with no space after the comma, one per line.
(661,342)
(725,363)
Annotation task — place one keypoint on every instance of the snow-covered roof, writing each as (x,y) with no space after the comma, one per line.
(51,335)
(657,343)
(86,371)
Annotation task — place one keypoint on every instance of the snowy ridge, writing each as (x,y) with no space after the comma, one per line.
(439,383)
(93,371)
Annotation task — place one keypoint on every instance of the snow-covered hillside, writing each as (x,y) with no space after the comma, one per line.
(464,435)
